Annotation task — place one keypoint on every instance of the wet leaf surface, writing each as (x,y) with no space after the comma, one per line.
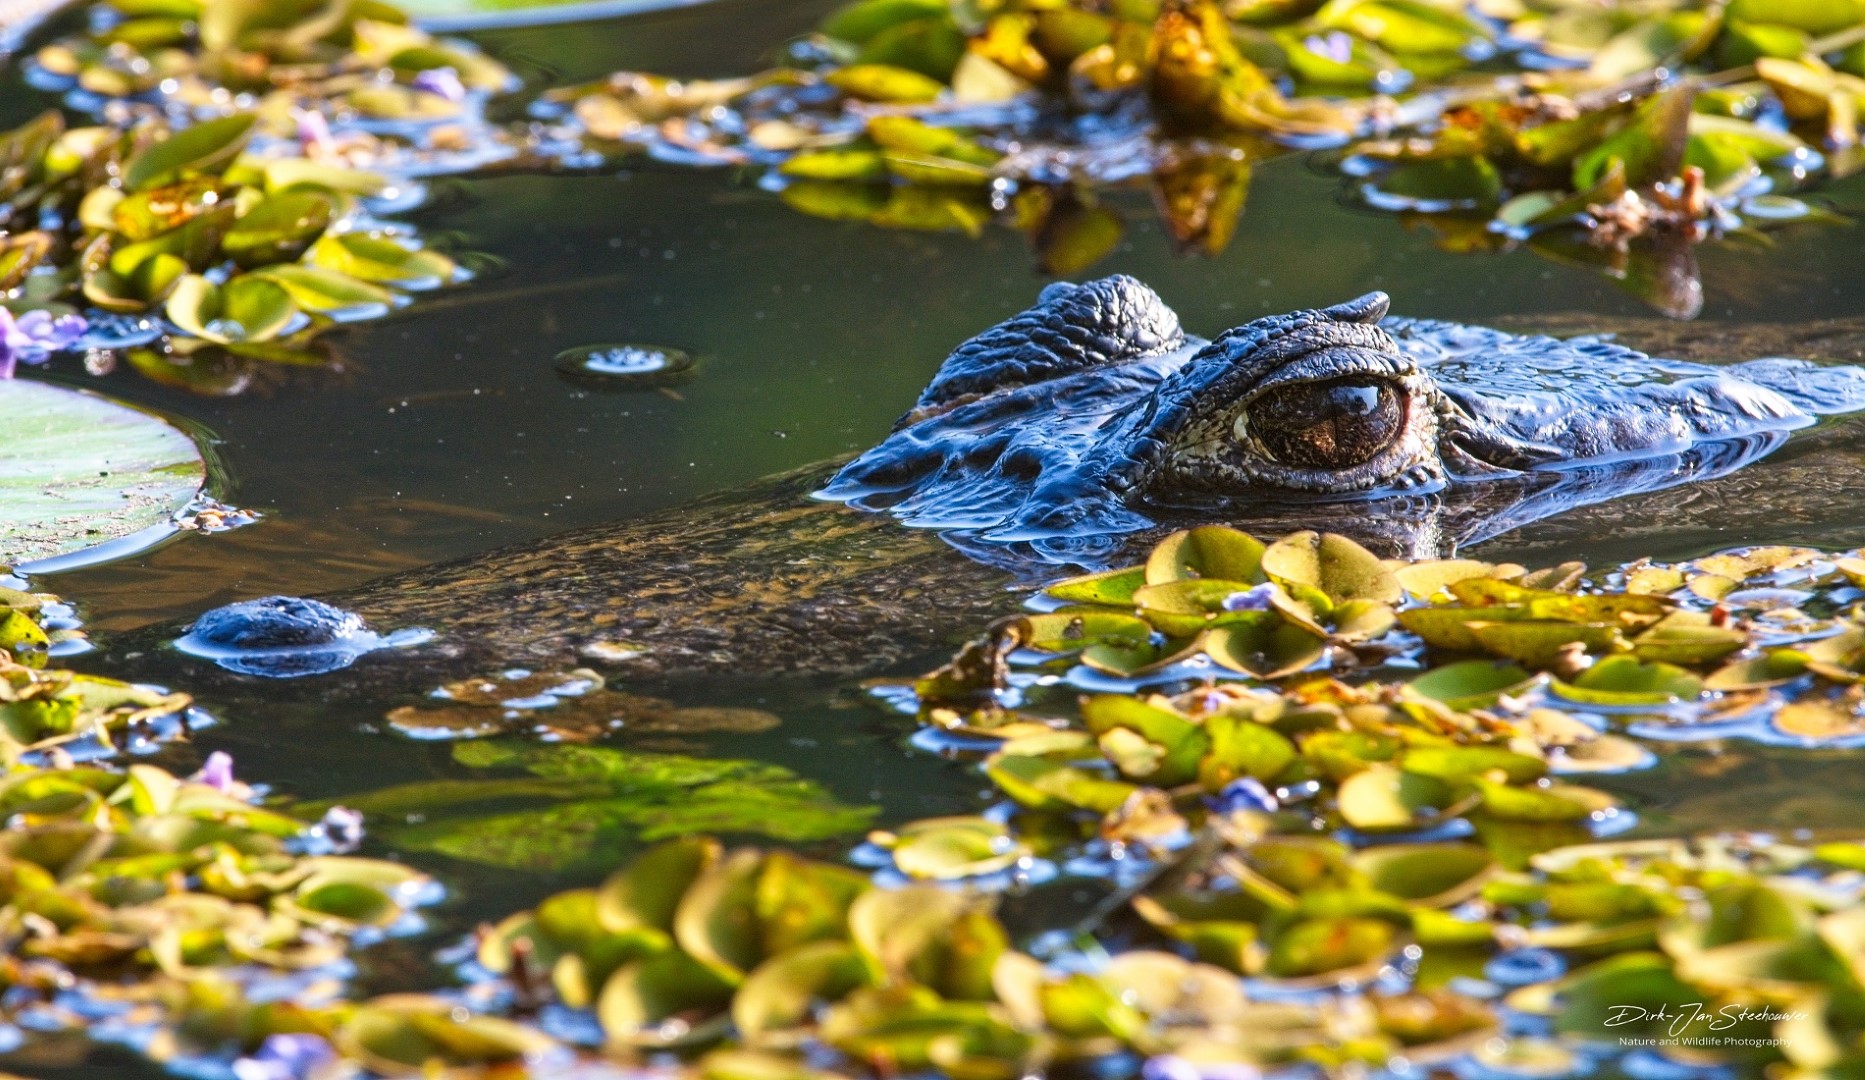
(81,470)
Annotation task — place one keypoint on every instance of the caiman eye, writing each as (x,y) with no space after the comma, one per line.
(1325,425)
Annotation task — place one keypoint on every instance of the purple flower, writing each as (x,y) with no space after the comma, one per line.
(286,1057)
(314,132)
(1255,598)
(52,333)
(1173,1067)
(444,82)
(1243,794)
(1335,45)
(217,771)
(32,337)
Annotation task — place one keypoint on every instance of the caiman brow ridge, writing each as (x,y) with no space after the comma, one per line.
(1091,415)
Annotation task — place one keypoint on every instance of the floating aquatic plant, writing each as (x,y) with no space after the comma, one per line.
(1614,137)
(42,710)
(354,84)
(785,960)
(33,337)
(1617,140)
(1320,868)
(140,890)
(216,217)
(192,247)
(1738,636)
(1342,808)
(758,964)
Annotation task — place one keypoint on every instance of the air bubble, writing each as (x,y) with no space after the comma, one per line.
(626,367)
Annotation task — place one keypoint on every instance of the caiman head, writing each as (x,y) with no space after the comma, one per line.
(1092,416)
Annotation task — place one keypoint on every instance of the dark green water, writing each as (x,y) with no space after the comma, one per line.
(450,432)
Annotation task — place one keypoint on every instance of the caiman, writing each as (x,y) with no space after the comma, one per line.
(1068,437)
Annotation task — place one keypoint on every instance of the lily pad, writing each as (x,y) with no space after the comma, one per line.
(78,470)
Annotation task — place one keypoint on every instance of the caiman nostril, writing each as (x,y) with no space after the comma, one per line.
(275,622)
(284,637)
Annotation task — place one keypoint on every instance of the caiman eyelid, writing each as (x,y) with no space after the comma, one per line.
(1331,364)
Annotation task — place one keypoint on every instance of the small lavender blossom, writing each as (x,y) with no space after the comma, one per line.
(49,332)
(442,82)
(286,1057)
(31,338)
(1245,793)
(217,771)
(1334,45)
(314,132)
(1255,598)
(1173,1067)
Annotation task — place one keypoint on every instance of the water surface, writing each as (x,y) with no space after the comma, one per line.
(450,431)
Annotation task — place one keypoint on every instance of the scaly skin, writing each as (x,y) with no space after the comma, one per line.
(1102,420)
(765,580)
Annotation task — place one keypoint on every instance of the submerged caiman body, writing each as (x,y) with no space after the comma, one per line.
(1077,432)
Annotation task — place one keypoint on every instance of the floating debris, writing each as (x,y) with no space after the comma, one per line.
(571,706)
(207,514)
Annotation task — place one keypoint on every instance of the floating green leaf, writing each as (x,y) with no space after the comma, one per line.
(204,149)
(244,309)
(279,229)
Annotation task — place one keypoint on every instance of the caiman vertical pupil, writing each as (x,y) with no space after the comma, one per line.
(1327,425)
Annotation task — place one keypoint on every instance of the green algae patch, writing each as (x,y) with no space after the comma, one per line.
(599,801)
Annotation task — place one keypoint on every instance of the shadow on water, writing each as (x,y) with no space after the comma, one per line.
(450,431)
